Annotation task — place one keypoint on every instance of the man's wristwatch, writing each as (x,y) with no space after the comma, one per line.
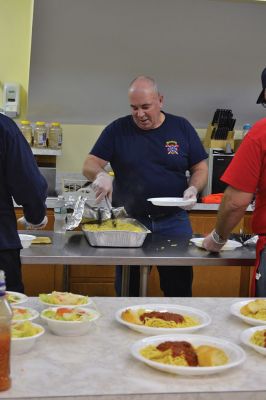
(217,238)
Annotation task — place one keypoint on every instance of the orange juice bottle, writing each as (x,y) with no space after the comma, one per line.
(5,336)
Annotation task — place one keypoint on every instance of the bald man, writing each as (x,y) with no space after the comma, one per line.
(150,152)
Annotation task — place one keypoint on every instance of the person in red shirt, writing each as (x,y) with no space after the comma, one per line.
(246,176)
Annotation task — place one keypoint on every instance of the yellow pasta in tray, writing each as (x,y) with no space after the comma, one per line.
(120,225)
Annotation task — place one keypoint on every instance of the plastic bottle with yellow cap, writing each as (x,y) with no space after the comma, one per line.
(40,135)
(26,130)
(55,136)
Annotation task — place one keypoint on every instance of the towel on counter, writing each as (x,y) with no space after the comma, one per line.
(215,198)
(42,240)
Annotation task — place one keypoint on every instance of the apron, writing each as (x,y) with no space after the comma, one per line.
(261,243)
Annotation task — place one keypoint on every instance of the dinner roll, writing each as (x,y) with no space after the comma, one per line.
(129,316)
(209,356)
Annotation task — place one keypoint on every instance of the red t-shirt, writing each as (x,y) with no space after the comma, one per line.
(247,172)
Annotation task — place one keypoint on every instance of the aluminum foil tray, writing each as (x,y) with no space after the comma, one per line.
(116,238)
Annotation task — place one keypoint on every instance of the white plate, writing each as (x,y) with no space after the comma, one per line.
(235,353)
(246,335)
(171,201)
(235,310)
(204,319)
(21,298)
(229,245)
(70,328)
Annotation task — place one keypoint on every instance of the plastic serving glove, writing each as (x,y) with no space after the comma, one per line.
(29,225)
(210,244)
(103,186)
(190,194)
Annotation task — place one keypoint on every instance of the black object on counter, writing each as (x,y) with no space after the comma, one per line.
(223,122)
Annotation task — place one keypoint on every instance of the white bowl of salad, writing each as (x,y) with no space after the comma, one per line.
(24,313)
(15,298)
(69,321)
(24,336)
(56,299)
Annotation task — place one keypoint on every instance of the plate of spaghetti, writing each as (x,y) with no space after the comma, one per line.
(188,354)
(253,312)
(255,338)
(154,319)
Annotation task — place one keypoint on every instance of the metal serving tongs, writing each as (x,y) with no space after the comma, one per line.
(109,206)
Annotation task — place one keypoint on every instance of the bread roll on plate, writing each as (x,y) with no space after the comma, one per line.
(131,316)
(209,356)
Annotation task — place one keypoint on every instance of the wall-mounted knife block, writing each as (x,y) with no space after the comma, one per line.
(221,144)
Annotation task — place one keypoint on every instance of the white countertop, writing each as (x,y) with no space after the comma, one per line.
(100,363)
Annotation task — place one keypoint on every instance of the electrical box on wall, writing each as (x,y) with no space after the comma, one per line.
(11,99)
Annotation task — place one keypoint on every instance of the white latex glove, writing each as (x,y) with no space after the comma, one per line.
(210,244)
(29,225)
(103,186)
(190,194)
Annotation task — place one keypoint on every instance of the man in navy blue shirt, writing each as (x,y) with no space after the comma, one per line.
(20,180)
(150,152)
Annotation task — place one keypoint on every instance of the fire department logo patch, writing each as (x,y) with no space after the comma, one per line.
(172,147)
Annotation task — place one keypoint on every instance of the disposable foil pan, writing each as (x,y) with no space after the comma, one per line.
(116,238)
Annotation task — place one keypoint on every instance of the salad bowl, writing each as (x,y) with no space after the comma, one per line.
(24,336)
(69,321)
(24,314)
(64,299)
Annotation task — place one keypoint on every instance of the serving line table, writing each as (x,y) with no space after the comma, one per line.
(99,364)
(72,248)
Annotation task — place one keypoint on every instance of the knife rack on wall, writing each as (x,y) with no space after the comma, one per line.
(220,131)
(218,143)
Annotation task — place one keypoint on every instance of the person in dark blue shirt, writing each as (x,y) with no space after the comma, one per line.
(22,182)
(150,152)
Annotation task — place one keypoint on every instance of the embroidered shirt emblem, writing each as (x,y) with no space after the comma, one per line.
(172,147)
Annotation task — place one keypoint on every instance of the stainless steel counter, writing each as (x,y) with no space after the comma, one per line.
(73,249)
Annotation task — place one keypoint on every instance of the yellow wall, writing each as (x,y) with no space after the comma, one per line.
(15,33)
(77,141)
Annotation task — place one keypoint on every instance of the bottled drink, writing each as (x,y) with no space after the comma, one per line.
(5,336)
(60,214)
(245,130)
(55,136)
(26,130)
(40,135)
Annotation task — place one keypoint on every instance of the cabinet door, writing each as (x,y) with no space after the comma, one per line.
(92,280)
(41,278)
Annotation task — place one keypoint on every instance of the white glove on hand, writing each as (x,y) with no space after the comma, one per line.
(29,225)
(190,194)
(103,186)
(212,245)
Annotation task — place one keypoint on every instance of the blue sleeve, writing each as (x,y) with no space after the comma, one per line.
(104,146)
(23,179)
